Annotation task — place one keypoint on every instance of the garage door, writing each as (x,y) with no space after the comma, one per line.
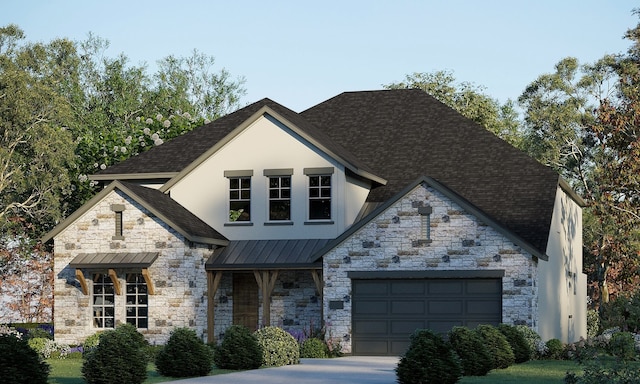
(386,312)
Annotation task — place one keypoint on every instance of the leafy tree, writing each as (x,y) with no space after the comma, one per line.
(582,121)
(615,197)
(35,146)
(468,99)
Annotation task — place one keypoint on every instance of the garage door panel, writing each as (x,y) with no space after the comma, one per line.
(386,312)
(365,327)
(452,307)
(439,287)
(406,327)
(477,307)
(483,287)
(415,287)
(371,347)
(443,326)
(371,307)
(370,288)
(408,307)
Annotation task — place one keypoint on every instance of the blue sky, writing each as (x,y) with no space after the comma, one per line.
(300,53)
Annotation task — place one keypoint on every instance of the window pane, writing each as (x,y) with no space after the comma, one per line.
(313,181)
(234,195)
(319,209)
(234,183)
(245,195)
(285,182)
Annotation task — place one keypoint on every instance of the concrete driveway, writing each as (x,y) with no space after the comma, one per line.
(344,370)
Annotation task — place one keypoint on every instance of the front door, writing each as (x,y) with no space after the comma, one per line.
(245,300)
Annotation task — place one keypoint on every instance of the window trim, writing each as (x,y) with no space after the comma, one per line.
(238,174)
(319,172)
(279,174)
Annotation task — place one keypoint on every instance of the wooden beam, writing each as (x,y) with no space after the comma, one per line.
(147,279)
(83,282)
(116,282)
(213,282)
(266,282)
(317,278)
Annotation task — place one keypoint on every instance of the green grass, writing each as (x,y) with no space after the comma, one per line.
(69,371)
(532,372)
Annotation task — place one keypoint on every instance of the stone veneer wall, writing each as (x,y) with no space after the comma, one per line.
(296,305)
(393,241)
(178,273)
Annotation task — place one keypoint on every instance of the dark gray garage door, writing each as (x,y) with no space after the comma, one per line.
(386,312)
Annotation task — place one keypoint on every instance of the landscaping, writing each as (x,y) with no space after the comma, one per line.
(485,354)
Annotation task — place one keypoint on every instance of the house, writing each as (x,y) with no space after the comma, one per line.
(373,213)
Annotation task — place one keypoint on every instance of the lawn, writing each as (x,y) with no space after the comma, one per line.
(68,371)
(532,372)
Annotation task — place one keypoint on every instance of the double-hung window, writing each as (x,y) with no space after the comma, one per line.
(239,195)
(319,193)
(279,194)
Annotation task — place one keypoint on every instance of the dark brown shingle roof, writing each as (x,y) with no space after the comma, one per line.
(406,134)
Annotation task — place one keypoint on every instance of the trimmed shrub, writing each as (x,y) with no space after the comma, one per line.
(623,346)
(534,341)
(118,358)
(519,345)
(278,347)
(91,341)
(239,350)
(474,356)
(39,333)
(498,346)
(313,348)
(19,363)
(429,359)
(622,312)
(184,355)
(555,349)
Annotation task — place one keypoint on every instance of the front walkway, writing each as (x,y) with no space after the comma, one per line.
(344,370)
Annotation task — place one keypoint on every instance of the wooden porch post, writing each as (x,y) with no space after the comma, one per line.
(317,278)
(213,282)
(266,282)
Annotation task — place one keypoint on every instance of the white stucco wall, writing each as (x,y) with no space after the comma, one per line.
(563,285)
(266,144)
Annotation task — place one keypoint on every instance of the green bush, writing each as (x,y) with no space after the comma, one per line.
(429,359)
(91,342)
(184,355)
(313,348)
(239,350)
(498,346)
(39,333)
(623,346)
(519,345)
(118,358)
(533,340)
(474,356)
(19,363)
(605,369)
(278,347)
(622,312)
(555,349)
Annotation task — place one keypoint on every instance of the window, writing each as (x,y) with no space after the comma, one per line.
(240,199)
(137,307)
(320,197)
(280,198)
(103,301)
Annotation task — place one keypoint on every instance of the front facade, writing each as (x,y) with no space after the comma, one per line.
(272,217)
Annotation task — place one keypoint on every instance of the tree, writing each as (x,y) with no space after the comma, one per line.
(468,99)
(35,147)
(615,196)
(580,121)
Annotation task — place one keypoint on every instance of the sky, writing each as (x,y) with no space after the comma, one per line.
(300,53)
